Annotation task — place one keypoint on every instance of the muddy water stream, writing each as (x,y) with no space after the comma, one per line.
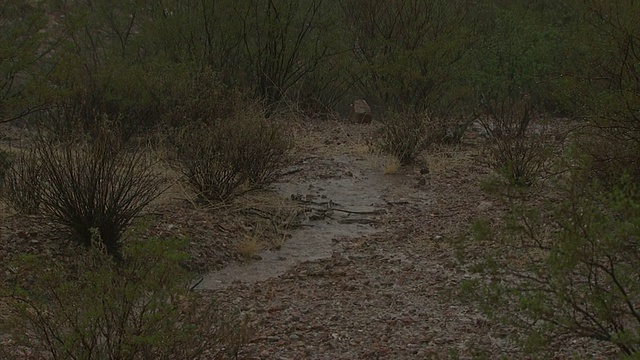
(349,190)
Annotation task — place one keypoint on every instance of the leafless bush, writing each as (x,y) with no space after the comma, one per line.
(22,188)
(225,158)
(95,182)
(609,154)
(506,116)
(515,149)
(5,162)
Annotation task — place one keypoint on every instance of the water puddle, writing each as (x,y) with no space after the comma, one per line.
(347,199)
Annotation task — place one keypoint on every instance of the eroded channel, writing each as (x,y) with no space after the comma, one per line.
(353,197)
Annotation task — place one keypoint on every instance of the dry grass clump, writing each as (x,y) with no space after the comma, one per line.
(391,167)
(248,246)
(403,135)
(266,216)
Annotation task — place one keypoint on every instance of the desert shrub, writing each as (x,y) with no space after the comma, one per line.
(133,93)
(606,89)
(202,97)
(22,60)
(140,309)
(6,160)
(22,187)
(518,151)
(568,269)
(404,135)
(225,158)
(451,130)
(410,55)
(608,154)
(95,182)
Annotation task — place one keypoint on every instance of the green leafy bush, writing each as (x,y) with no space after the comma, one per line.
(568,270)
(95,182)
(228,157)
(140,309)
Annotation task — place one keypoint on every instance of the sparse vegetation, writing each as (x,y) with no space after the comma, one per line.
(92,79)
(227,157)
(391,167)
(94,183)
(404,135)
(568,269)
(141,309)
(562,262)
(248,246)
(23,184)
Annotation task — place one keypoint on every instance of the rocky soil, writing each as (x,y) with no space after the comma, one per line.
(392,294)
(377,277)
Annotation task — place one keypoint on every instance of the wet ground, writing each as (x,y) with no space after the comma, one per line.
(345,196)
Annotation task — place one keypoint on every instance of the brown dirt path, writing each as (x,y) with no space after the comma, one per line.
(388,294)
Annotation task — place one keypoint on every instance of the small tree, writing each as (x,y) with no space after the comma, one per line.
(412,55)
(284,41)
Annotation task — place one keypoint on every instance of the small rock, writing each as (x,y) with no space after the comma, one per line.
(484,205)
(360,112)
(273,338)
(256,257)
(294,337)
